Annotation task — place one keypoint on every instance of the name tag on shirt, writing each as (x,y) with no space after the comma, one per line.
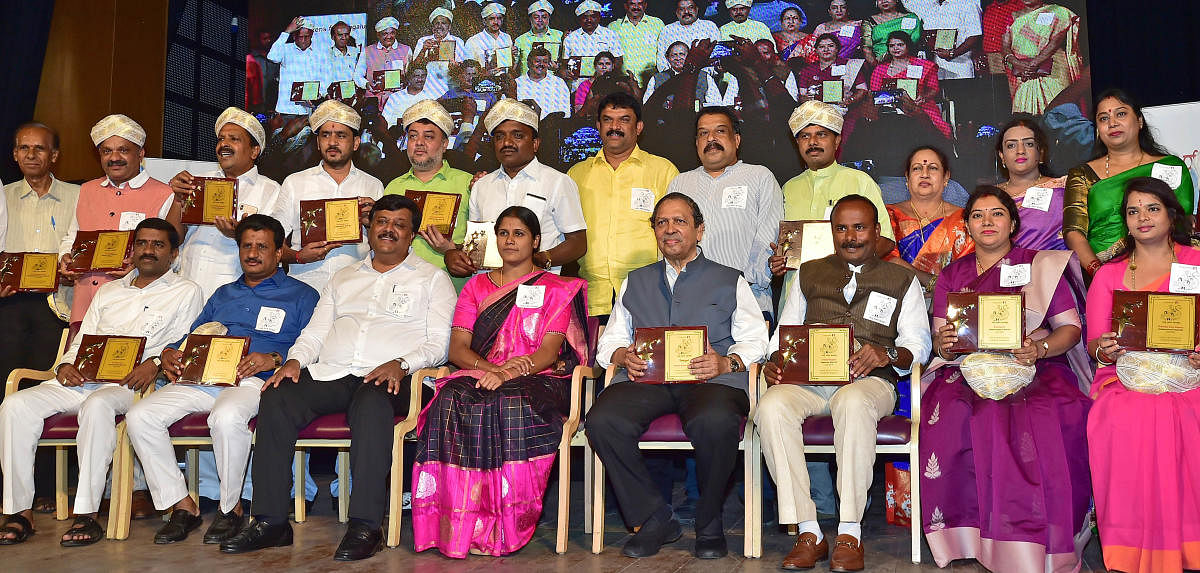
(1184,278)
(400,303)
(1015,275)
(641,199)
(1172,175)
(908,24)
(270,319)
(247,209)
(828,212)
(130,220)
(846,31)
(1045,19)
(914,72)
(530,296)
(151,321)
(880,308)
(734,197)
(1038,198)
(838,70)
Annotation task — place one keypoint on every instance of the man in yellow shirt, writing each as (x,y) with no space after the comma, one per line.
(618,188)
(639,39)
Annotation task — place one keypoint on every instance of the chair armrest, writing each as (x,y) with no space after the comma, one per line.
(19,374)
(416,383)
(609,374)
(914,381)
(577,377)
(752,372)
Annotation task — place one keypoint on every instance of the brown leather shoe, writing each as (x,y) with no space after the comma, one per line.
(847,554)
(142,507)
(806,552)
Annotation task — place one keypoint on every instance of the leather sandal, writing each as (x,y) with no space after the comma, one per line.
(20,535)
(83,525)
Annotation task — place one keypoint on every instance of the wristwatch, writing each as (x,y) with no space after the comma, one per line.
(276,358)
(547,265)
(735,365)
(892,354)
(403,364)
(157,362)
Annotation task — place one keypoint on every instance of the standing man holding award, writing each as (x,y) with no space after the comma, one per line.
(124,197)
(268,307)
(884,305)
(377,321)
(685,289)
(151,306)
(336,126)
(523,180)
(427,126)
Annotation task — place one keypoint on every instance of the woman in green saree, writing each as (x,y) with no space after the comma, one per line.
(892,16)
(1093,224)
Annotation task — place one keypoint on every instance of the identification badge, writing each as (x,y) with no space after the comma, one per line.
(838,70)
(914,72)
(1045,19)
(846,31)
(734,197)
(1185,278)
(908,24)
(270,319)
(880,308)
(828,213)
(247,209)
(530,296)
(1172,175)
(130,220)
(641,199)
(152,321)
(1015,275)
(1038,198)
(399,303)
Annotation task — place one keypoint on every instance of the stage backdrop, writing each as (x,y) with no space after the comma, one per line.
(964,100)
(1177,127)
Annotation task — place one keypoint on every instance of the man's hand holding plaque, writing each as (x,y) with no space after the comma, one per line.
(107,359)
(438,210)
(209,360)
(95,251)
(211,198)
(480,246)
(800,242)
(813,354)
(28,272)
(986,321)
(335,221)
(674,355)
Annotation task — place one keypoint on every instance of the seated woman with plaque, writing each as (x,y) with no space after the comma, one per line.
(1003,433)
(849,32)
(910,81)
(1143,428)
(1093,224)
(488,438)
(930,231)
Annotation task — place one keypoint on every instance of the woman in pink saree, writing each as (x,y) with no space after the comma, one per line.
(488,438)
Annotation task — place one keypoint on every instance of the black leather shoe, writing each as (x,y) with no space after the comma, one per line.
(360,542)
(225,526)
(652,536)
(259,535)
(711,547)
(177,528)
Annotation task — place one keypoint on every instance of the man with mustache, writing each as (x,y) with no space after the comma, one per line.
(638,33)
(523,180)
(689,29)
(540,31)
(298,62)
(120,200)
(740,24)
(884,304)
(741,202)
(549,91)
(618,188)
(151,302)
(386,54)
(270,308)
(343,55)
(427,126)
(589,39)
(378,321)
(685,288)
(482,47)
(336,126)
(427,47)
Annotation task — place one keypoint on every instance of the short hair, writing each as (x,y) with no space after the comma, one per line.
(158,224)
(903,36)
(538,51)
(1039,137)
(853,197)
(829,36)
(414,67)
(333,28)
(522,214)
(719,110)
(941,155)
(54,141)
(697,215)
(680,44)
(1005,199)
(393,202)
(260,222)
(621,100)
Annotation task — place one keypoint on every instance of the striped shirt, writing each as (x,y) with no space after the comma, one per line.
(752,30)
(525,44)
(483,45)
(676,32)
(38,224)
(550,93)
(639,42)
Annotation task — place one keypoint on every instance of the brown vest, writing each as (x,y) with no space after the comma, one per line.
(821,281)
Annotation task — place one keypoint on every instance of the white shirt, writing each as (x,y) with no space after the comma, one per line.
(399,101)
(68,239)
(162,311)
(340,67)
(437,79)
(295,65)
(549,193)
(366,318)
(316,183)
(481,46)
(210,258)
(912,326)
(748,329)
(550,93)
(962,15)
(580,43)
(676,32)
(714,96)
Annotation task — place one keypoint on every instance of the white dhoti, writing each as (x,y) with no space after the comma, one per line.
(230,410)
(856,408)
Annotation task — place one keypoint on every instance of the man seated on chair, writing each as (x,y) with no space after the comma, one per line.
(152,302)
(378,321)
(884,304)
(270,308)
(684,289)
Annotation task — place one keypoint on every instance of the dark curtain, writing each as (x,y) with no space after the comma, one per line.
(1146,48)
(24,47)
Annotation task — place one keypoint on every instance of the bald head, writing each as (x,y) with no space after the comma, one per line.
(35,149)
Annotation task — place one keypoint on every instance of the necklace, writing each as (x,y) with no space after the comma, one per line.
(922,220)
(1133,264)
(1005,185)
(979,268)
(1108,158)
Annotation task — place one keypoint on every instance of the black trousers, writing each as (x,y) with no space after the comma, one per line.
(29,334)
(711,416)
(289,407)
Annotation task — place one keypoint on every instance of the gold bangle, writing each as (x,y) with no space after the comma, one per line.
(475,366)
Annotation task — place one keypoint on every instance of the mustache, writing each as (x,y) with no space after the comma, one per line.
(224,149)
(333,149)
(117,163)
(512,148)
(815,148)
(252,260)
(713,145)
(387,235)
(615,132)
(148,257)
(853,245)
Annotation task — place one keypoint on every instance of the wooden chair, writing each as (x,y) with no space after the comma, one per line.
(60,431)
(579,439)
(333,431)
(666,433)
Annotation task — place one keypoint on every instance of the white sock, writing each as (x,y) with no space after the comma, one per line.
(854,529)
(810,527)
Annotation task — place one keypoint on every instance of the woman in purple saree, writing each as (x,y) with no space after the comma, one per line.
(1006,481)
(488,438)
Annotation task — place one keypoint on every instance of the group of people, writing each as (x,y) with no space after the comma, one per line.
(1007,478)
